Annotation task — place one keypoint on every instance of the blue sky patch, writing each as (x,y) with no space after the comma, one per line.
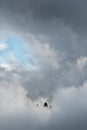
(19,50)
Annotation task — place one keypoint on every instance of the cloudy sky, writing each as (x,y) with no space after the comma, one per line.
(43,58)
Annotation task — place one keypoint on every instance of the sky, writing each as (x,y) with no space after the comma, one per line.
(43,58)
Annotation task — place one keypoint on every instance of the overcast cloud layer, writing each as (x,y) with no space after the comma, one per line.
(43,58)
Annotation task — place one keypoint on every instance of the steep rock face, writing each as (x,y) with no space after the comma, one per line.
(45,104)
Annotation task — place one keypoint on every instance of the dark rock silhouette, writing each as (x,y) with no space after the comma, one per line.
(45,104)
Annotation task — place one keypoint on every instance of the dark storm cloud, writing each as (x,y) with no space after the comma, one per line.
(70,12)
(63,22)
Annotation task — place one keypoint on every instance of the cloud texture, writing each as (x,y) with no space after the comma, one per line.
(43,58)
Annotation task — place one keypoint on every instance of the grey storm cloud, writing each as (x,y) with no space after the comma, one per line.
(54,32)
(62,22)
(71,12)
(68,110)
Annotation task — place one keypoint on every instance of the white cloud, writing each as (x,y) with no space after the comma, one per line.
(6,66)
(2,47)
(44,54)
(82,62)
